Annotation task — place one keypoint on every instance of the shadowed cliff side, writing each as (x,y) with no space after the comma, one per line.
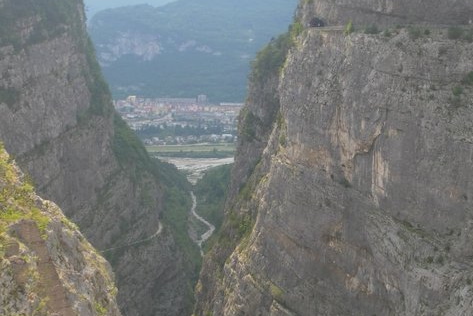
(360,203)
(57,120)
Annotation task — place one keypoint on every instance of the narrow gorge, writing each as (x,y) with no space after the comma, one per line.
(351,192)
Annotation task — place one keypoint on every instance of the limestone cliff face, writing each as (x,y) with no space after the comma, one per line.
(57,120)
(362,197)
(47,266)
(390,12)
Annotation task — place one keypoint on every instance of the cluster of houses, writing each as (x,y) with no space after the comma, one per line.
(164,113)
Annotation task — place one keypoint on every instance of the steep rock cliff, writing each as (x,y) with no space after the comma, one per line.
(47,266)
(57,120)
(390,12)
(361,201)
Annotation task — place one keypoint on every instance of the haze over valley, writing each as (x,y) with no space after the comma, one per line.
(223,158)
(186,48)
(94,6)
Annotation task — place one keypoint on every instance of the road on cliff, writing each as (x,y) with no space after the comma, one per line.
(136,242)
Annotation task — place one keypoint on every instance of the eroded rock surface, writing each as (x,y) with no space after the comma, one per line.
(362,196)
(390,12)
(47,266)
(57,120)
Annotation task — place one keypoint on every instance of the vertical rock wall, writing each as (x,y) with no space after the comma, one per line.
(57,120)
(362,195)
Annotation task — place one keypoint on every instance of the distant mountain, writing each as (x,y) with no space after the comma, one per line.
(187,47)
(94,6)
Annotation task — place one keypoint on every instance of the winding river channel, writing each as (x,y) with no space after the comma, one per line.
(211,228)
(195,169)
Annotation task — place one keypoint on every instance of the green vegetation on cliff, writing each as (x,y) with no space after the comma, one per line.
(16,197)
(271,58)
(211,191)
(135,161)
(265,69)
(129,150)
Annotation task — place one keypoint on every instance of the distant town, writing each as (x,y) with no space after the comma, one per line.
(177,121)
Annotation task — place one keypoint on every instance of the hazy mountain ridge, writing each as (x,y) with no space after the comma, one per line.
(94,6)
(186,48)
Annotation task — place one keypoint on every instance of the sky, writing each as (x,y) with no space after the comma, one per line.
(94,6)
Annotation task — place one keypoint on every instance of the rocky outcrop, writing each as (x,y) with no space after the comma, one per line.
(57,120)
(389,12)
(361,198)
(145,47)
(47,266)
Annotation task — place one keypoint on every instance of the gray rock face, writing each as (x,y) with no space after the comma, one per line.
(144,46)
(56,118)
(364,199)
(390,12)
(47,266)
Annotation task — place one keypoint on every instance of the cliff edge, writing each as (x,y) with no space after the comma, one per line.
(47,266)
(57,120)
(359,199)
(389,12)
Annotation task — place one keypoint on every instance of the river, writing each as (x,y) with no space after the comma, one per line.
(195,169)
(210,228)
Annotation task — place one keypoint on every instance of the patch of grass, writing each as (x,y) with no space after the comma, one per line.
(17,197)
(349,28)
(276,292)
(41,220)
(296,29)
(100,309)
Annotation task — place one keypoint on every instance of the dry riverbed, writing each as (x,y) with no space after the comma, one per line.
(196,167)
